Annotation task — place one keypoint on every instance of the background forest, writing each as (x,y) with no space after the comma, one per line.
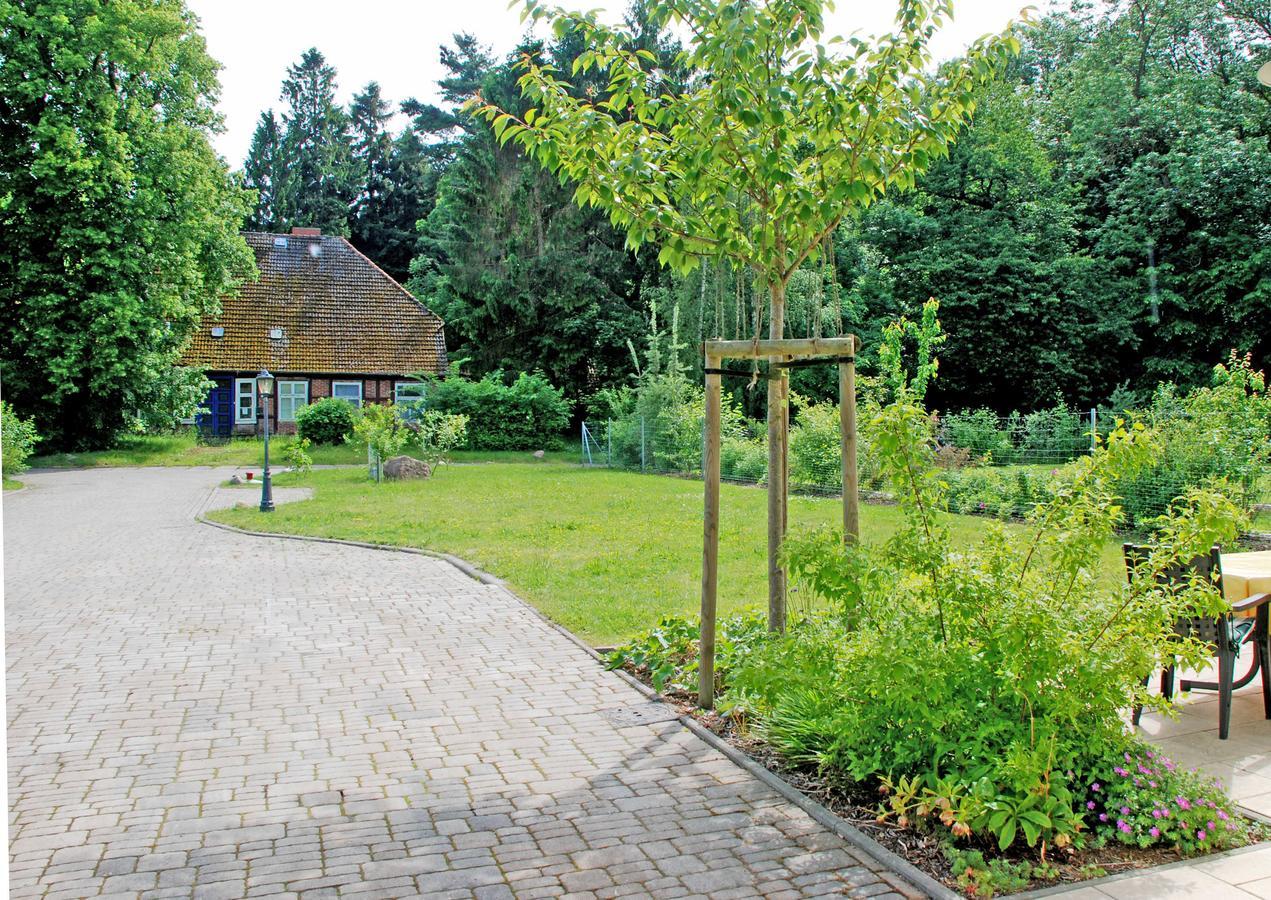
(1101,225)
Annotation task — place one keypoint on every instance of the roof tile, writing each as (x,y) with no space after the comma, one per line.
(339,313)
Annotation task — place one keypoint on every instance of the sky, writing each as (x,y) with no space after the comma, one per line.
(395,42)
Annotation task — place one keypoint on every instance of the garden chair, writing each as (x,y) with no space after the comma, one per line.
(1225,634)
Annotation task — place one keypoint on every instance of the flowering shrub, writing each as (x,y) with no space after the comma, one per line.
(1146,800)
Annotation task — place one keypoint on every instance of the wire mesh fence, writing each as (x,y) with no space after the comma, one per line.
(999,466)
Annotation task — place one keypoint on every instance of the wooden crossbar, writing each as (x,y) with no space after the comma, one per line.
(796,347)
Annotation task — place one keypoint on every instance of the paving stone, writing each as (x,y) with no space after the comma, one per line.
(196,713)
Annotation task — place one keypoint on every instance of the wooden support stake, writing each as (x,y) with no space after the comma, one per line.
(847,423)
(710,540)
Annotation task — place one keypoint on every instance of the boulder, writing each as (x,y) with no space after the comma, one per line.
(401,467)
(539,454)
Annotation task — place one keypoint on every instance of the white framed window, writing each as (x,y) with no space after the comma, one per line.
(348,390)
(408,392)
(244,401)
(292,397)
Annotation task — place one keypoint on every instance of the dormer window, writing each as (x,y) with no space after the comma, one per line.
(218,331)
(280,241)
(275,334)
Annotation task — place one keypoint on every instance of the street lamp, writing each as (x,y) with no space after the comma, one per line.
(265,385)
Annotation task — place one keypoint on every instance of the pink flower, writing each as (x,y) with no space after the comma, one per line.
(1095,786)
(1200,835)
(1089,804)
(1183,802)
(1120,771)
(1125,810)
(1154,831)
(1123,825)
(1103,817)
(1222,815)
(1210,825)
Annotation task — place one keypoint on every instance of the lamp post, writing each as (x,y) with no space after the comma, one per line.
(265,385)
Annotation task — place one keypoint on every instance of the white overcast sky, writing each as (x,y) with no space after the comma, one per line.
(395,43)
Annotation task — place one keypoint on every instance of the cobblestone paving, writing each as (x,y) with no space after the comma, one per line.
(194,713)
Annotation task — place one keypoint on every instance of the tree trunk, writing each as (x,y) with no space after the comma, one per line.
(776,465)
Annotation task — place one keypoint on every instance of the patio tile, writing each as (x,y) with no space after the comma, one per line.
(1181,882)
(1260,888)
(1261,804)
(1239,868)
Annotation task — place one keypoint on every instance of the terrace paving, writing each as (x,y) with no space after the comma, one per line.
(198,713)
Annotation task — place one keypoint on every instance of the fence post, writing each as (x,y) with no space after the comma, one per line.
(710,539)
(586,455)
(1094,428)
(608,443)
(642,443)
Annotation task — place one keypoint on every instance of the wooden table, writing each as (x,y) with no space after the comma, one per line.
(1246,574)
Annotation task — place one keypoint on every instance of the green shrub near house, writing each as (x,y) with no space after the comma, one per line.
(327,421)
(528,413)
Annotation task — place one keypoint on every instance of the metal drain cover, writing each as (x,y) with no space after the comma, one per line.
(640,714)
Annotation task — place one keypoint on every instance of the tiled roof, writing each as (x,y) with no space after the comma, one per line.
(338,313)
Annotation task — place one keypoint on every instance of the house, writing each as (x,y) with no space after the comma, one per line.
(326,321)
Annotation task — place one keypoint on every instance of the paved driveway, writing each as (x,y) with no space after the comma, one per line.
(195,713)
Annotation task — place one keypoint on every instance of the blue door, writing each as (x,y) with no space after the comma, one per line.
(218,421)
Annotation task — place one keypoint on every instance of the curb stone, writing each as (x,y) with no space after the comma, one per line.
(848,832)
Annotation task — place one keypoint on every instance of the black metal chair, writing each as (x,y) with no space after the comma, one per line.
(1225,634)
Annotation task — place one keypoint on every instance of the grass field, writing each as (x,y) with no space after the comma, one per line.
(12,484)
(184,450)
(604,553)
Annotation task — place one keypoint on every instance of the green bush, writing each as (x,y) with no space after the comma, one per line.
(1004,493)
(1052,435)
(816,456)
(988,704)
(18,438)
(663,430)
(327,421)
(743,460)
(980,432)
(528,414)
(1215,435)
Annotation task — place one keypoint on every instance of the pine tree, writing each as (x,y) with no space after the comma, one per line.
(321,175)
(265,173)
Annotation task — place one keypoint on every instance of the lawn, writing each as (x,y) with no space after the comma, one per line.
(12,484)
(604,553)
(184,450)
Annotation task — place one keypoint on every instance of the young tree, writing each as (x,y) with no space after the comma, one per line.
(120,222)
(761,156)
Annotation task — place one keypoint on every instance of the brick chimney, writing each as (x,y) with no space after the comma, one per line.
(306,232)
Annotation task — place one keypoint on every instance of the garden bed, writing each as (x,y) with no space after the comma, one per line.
(858,804)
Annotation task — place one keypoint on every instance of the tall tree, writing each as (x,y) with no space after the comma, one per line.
(1158,121)
(395,184)
(524,279)
(757,161)
(120,223)
(321,176)
(265,171)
